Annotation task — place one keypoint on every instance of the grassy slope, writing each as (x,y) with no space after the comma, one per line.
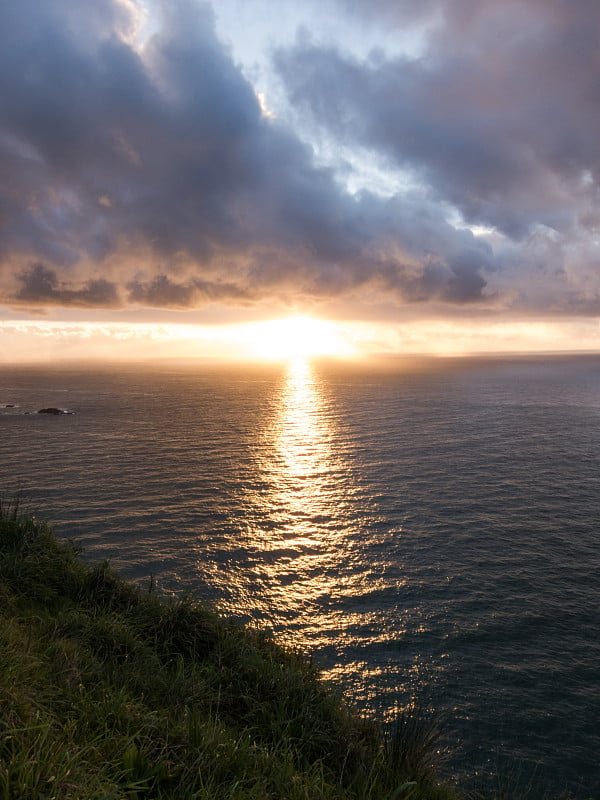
(107,692)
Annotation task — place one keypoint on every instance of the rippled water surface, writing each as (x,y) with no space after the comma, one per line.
(418,523)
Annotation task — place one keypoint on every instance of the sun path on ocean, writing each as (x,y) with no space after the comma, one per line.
(297,337)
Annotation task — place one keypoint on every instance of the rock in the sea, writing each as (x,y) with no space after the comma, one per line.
(53,411)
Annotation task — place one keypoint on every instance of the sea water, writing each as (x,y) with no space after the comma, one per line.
(423,528)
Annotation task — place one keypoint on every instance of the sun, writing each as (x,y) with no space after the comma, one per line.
(297,337)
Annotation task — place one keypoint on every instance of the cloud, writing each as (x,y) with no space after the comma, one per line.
(497,116)
(500,126)
(137,167)
(162,292)
(41,286)
(147,174)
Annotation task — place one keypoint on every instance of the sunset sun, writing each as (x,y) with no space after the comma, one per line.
(296,337)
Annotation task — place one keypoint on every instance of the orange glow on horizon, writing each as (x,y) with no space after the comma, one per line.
(297,337)
(286,339)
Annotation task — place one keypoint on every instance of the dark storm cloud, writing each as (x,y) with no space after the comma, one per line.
(41,286)
(498,116)
(501,125)
(116,161)
(148,175)
(162,292)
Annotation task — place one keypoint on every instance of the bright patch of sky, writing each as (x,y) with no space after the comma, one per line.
(253,31)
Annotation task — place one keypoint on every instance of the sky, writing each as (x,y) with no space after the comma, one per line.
(410,175)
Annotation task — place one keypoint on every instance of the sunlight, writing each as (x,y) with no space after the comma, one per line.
(296,337)
(302,439)
(286,340)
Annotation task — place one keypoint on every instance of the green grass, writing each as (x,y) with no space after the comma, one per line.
(107,691)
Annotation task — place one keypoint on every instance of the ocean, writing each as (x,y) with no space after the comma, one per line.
(425,528)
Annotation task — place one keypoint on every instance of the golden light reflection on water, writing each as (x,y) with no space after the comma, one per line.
(304,530)
(304,462)
(301,429)
(302,517)
(307,552)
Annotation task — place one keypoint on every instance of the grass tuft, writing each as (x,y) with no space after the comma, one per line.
(413,741)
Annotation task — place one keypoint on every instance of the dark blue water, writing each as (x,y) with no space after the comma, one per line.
(420,526)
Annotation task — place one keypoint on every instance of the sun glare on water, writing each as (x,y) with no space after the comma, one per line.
(296,337)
